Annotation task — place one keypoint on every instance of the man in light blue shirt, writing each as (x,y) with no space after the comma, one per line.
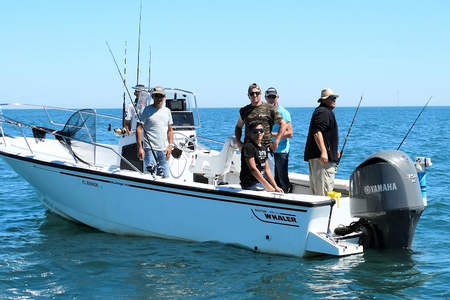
(281,154)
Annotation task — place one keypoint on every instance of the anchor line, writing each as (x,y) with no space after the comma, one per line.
(410,128)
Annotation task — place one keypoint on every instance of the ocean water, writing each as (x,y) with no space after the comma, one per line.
(45,256)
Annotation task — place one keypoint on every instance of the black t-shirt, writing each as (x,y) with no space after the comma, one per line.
(322,120)
(264,113)
(249,149)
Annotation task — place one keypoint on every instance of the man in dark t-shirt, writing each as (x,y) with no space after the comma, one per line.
(255,172)
(321,149)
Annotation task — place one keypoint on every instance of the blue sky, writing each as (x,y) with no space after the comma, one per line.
(393,52)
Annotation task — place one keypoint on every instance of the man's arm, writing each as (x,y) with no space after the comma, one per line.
(140,150)
(170,140)
(257,174)
(238,132)
(288,132)
(318,137)
(269,176)
(280,133)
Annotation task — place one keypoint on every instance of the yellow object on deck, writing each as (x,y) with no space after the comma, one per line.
(336,196)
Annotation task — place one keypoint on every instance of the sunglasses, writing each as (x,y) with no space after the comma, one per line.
(258,130)
(271,96)
(157,96)
(253,94)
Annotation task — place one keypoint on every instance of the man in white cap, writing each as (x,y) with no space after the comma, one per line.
(140,103)
(321,149)
(156,122)
(281,153)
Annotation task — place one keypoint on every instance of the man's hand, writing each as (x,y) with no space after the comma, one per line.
(324,157)
(274,145)
(279,190)
(140,153)
(269,188)
(168,151)
(239,145)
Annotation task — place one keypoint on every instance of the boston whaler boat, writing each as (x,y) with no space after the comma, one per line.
(101,184)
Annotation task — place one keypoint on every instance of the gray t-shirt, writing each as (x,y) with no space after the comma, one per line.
(156,122)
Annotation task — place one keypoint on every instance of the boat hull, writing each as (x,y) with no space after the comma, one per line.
(129,206)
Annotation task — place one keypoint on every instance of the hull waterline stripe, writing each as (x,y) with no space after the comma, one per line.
(186,194)
(168,185)
(218,199)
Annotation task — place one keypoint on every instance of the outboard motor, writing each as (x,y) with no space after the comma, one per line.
(385,194)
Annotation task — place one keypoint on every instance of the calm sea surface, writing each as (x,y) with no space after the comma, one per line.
(45,256)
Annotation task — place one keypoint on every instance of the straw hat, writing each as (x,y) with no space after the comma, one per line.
(326,93)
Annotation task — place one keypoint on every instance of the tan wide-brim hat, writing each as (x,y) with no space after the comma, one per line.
(326,93)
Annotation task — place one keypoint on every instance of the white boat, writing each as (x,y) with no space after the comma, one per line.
(102,185)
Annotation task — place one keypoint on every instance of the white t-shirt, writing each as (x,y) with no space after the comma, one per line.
(156,122)
(140,105)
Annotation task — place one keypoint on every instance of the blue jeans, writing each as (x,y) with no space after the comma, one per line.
(270,159)
(256,187)
(281,171)
(159,167)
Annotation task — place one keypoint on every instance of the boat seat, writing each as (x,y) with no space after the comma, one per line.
(216,164)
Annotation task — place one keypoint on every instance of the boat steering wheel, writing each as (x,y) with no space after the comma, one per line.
(183,145)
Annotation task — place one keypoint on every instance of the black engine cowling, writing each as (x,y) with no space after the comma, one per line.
(385,195)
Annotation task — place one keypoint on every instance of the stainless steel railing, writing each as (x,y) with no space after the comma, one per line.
(21,125)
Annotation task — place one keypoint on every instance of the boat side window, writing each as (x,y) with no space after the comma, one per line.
(183,118)
(180,116)
(176,104)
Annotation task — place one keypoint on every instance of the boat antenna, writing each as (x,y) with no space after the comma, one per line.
(149,65)
(129,95)
(139,44)
(410,128)
(348,132)
(124,84)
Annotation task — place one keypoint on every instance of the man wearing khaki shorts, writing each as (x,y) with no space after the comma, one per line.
(321,145)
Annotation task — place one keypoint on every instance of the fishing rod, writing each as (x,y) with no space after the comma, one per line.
(129,95)
(139,44)
(120,73)
(149,66)
(410,128)
(348,132)
(124,84)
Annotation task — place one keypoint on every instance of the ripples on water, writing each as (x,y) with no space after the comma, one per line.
(45,256)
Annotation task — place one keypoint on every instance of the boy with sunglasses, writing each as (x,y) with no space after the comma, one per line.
(255,172)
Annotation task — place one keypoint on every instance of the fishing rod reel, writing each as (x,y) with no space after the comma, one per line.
(385,195)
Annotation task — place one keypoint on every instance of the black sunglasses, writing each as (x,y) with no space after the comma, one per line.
(258,130)
(254,93)
(157,96)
